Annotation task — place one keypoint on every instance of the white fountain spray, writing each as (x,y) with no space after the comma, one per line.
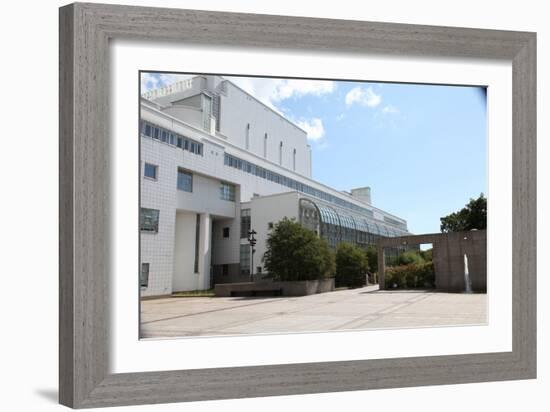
(468,287)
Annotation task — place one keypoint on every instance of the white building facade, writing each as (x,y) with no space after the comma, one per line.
(215,162)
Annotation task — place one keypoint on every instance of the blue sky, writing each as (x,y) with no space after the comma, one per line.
(421,148)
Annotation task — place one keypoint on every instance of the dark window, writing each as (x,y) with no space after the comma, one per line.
(185,181)
(144,275)
(156,134)
(180,142)
(164,136)
(148,130)
(197,242)
(150,171)
(149,220)
(225,270)
(245,223)
(245,259)
(225,232)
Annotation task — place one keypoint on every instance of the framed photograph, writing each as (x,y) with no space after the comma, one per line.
(256,205)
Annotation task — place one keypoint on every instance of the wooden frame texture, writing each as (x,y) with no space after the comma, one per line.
(85,31)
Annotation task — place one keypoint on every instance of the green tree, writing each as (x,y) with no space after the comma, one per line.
(427,255)
(372,258)
(296,253)
(472,216)
(351,265)
(410,256)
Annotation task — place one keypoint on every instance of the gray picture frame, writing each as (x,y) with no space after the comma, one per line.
(85,32)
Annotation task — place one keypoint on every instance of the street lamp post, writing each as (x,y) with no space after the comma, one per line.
(252,242)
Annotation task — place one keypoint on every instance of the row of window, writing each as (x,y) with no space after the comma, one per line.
(166,136)
(245,166)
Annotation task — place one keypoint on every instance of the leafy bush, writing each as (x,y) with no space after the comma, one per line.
(413,275)
(351,265)
(296,253)
(409,257)
(372,259)
(427,255)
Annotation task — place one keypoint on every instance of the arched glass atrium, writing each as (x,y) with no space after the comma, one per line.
(338,225)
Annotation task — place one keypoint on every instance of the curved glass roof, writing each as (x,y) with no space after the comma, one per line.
(328,215)
(362,225)
(349,220)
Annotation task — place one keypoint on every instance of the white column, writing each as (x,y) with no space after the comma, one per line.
(205,251)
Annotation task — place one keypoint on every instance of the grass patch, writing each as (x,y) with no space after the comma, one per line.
(206,293)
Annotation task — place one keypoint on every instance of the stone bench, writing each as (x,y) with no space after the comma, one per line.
(274,288)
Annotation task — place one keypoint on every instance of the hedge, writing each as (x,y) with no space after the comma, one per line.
(413,275)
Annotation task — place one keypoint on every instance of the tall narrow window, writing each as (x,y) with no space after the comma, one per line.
(245,259)
(294,160)
(245,223)
(197,242)
(144,275)
(206,112)
(247,137)
(265,145)
(185,181)
(281,153)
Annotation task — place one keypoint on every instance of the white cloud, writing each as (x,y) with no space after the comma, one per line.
(272,91)
(314,128)
(390,109)
(364,97)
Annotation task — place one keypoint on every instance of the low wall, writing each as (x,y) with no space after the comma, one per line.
(448,258)
(269,287)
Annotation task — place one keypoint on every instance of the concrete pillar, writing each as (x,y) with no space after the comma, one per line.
(381,267)
(205,251)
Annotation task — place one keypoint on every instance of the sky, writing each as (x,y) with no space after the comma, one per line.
(422,149)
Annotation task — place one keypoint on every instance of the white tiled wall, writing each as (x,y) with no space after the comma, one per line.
(157,248)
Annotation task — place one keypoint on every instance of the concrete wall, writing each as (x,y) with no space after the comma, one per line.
(226,250)
(448,257)
(449,261)
(266,210)
(238,109)
(184,277)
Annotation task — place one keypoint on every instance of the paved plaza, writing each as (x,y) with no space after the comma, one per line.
(364,308)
